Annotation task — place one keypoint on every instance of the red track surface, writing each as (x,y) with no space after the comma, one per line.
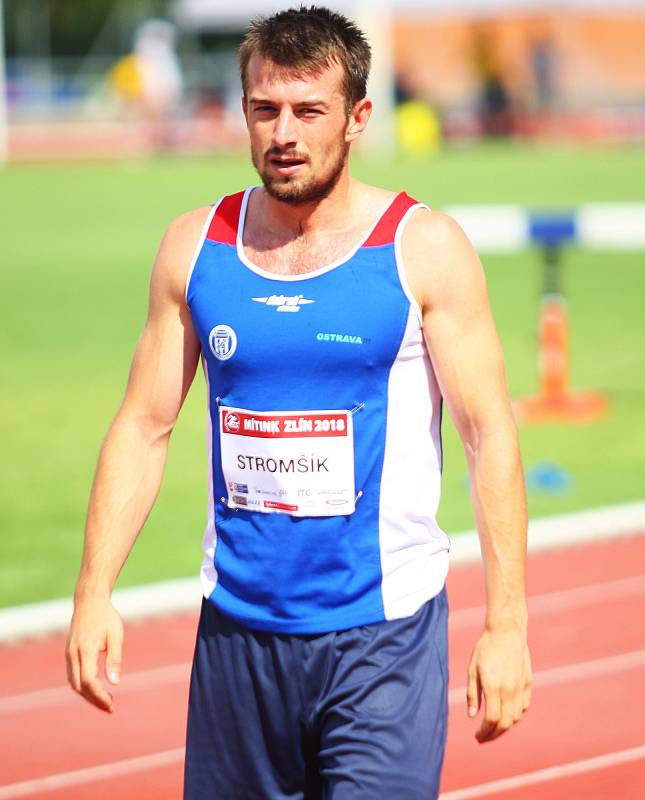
(587,634)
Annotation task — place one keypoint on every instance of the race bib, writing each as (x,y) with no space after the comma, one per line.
(289,462)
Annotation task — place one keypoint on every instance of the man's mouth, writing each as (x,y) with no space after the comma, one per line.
(286,165)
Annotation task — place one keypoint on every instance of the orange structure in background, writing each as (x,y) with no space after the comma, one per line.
(597,54)
(555,402)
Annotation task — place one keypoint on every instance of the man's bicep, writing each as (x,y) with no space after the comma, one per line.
(166,356)
(460,333)
(162,369)
(467,358)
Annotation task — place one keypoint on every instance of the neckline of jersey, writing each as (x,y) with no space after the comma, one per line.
(301,276)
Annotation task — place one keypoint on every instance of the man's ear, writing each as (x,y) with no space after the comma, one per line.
(358,119)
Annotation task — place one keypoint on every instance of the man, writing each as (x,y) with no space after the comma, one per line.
(331,317)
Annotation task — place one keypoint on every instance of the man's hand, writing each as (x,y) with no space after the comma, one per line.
(500,673)
(96,627)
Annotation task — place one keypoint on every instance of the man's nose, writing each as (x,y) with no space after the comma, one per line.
(285,131)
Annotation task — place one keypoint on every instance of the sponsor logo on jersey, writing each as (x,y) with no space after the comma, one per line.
(345,338)
(231,422)
(282,302)
(240,499)
(222,341)
(242,488)
(280,506)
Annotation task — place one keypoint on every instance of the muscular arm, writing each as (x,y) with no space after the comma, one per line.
(132,459)
(447,278)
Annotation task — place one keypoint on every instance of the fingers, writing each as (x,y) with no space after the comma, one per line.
(114,655)
(488,729)
(92,688)
(82,675)
(517,708)
(504,708)
(473,692)
(526,698)
(73,665)
(95,628)
(527,688)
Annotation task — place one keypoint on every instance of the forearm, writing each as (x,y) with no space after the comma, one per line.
(126,484)
(499,504)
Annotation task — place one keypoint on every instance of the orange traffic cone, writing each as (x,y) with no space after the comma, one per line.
(555,403)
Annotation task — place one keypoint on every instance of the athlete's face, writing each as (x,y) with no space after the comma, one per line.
(299,129)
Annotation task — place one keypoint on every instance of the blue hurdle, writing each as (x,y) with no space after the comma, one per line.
(595,226)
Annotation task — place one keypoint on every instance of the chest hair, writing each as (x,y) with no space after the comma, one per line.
(301,254)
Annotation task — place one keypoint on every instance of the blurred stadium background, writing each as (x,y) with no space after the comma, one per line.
(115,116)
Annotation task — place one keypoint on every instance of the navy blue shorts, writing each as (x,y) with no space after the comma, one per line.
(349,715)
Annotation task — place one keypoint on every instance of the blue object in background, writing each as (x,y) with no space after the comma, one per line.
(548,477)
(552,228)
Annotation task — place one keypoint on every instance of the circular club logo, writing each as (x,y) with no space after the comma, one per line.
(231,422)
(223,342)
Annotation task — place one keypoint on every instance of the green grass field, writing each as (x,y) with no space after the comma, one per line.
(75,251)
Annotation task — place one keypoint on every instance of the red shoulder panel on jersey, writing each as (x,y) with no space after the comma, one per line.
(385,229)
(223,227)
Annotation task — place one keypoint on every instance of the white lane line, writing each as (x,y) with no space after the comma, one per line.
(63,780)
(548,774)
(77,777)
(551,602)
(547,603)
(547,677)
(144,679)
(178,673)
(572,672)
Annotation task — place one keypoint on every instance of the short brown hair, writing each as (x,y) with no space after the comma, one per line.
(305,40)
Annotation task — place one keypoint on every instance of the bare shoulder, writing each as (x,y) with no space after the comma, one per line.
(177,248)
(435,234)
(183,233)
(381,196)
(373,198)
(439,259)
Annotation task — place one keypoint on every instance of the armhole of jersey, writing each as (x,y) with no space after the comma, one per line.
(398,255)
(200,244)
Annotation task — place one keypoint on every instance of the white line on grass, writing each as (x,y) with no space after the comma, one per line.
(548,602)
(184,595)
(564,530)
(547,774)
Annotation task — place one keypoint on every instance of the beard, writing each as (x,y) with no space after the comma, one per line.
(297,190)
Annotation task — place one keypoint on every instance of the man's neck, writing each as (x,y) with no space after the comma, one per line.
(331,213)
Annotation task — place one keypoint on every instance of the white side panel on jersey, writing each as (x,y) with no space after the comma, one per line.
(414,550)
(200,244)
(403,278)
(208,573)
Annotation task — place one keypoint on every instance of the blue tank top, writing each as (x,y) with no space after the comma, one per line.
(324,433)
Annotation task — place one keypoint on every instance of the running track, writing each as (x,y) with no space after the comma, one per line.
(584,736)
